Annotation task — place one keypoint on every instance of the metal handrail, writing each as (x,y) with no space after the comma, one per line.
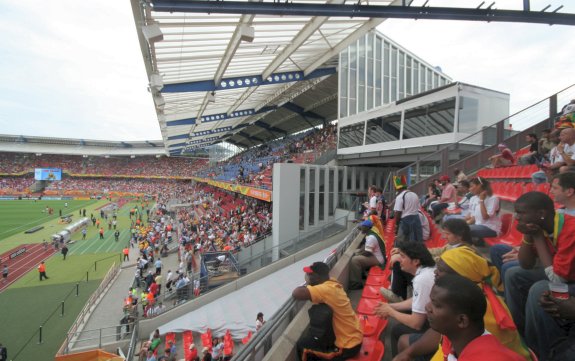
(440,154)
(112,272)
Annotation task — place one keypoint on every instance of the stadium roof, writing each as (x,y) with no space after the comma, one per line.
(245,79)
(87,147)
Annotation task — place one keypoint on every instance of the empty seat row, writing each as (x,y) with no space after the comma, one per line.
(513,172)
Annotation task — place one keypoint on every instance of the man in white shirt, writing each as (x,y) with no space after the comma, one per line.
(407,212)
(370,255)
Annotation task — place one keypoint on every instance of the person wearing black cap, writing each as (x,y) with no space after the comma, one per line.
(371,254)
(321,288)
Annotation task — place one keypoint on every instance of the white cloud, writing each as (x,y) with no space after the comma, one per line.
(74,68)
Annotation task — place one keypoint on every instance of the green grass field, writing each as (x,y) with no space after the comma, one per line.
(27,303)
(18,216)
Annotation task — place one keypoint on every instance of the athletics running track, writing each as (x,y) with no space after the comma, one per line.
(20,264)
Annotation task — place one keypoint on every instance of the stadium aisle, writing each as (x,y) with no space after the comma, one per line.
(109,311)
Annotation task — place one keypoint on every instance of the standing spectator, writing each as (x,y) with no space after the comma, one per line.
(84,231)
(64,251)
(5,273)
(126,252)
(42,271)
(101,232)
(323,289)
(504,158)
(158,265)
(259,321)
(117,235)
(406,211)
(3,353)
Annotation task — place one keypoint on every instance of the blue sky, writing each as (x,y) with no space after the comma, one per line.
(74,69)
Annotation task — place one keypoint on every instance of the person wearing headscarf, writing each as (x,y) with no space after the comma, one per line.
(498,321)
(466,262)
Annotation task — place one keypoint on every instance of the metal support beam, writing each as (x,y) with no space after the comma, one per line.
(219,116)
(366,11)
(299,110)
(245,81)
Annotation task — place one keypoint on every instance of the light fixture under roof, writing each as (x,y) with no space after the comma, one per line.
(152,33)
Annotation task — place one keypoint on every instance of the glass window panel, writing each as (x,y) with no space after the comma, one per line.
(435,80)
(378,83)
(383,129)
(351,135)
(408,76)
(401,75)
(430,119)
(393,93)
(429,80)
(311,196)
(331,184)
(301,198)
(321,194)
(386,65)
(415,77)
(468,115)
(422,86)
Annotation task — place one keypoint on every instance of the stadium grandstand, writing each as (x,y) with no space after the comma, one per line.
(293,134)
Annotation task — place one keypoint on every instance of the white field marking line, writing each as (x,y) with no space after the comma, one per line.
(37,220)
(113,245)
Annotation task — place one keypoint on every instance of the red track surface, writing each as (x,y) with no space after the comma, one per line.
(23,263)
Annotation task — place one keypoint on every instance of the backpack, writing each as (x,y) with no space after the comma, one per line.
(321,326)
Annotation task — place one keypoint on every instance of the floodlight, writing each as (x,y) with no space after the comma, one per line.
(156,82)
(152,33)
(247,33)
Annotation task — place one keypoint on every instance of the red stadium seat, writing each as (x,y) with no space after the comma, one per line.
(366,306)
(370,291)
(507,223)
(371,350)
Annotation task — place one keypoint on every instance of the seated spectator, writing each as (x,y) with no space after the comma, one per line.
(546,143)
(323,289)
(505,157)
(533,156)
(456,232)
(555,160)
(433,194)
(546,255)
(566,149)
(466,262)
(414,259)
(462,204)
(459,177)
(563,313)
(456,311)
(448,195)
(371,254)
(483,217)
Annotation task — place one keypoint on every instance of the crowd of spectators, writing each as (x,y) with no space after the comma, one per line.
(17,163)
(220,221)
(15,185)
(252,166)
(107,185)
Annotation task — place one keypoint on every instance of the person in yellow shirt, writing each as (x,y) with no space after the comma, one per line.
(321,289)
